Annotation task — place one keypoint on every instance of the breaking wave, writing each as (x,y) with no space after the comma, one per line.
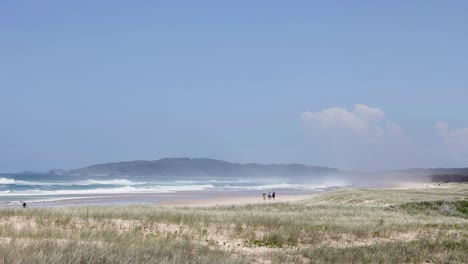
(122,182)
(4,180)
(37,187)
(120,190)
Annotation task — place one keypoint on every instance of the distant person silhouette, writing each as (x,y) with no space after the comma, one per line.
(25,205)
(273,195)
(264,195)
(269,196)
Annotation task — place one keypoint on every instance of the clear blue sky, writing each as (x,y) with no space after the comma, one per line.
(84,82)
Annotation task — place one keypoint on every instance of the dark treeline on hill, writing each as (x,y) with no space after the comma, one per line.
(450,178)
(196,167)
(437,171)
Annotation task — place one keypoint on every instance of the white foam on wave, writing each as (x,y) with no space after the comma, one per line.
(109,182)
(186,182)
(120,190)
(4,180)
(232,181)
(288,186)
(216,181)
(176,188)
(123,182)
(71,192)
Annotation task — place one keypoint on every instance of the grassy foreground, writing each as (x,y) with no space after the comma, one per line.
(343,226)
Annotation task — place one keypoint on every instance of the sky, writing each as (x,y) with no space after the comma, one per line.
(360,85)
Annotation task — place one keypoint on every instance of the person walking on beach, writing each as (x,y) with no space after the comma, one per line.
(264,195)
(25,205)
(273,195)
(269,195)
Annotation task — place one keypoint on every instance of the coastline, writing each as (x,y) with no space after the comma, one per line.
(229,199)
(236,200)
(176,199)
(200,198)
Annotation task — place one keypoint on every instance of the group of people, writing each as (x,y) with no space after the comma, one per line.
(270,195)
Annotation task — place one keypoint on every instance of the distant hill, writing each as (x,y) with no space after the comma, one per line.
(408,175)
(196,167)
(436,174)
(200,167)
(438,171)
(450,178)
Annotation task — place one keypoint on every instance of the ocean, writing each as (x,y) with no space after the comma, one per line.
(44,188)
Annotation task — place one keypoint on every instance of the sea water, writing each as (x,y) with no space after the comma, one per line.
(17,188)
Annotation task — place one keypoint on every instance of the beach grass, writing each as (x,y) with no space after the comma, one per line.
(352,225)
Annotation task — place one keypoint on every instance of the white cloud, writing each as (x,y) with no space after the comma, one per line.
(369,113)
(362,120)
(360,138)
(455,142)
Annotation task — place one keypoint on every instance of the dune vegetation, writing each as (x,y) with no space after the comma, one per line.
(352,225)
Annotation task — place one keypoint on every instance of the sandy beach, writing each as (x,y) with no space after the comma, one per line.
(242,199)
(177,199)
(236,200)
(205,198)
(419,185)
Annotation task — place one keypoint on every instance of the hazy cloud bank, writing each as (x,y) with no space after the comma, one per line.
(361,138)
(455,142)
